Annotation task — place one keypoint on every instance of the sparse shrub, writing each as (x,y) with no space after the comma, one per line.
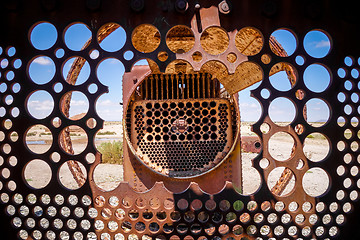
(45,134)
(107,133)
(112,152)
(75,135)
(31,134)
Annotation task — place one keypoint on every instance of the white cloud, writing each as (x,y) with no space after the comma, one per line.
(36,105)
(42,61)
(108,103)
(94,54)
(321,44)
(74,103)
(249,105)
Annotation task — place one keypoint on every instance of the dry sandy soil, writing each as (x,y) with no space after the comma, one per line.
(108,176)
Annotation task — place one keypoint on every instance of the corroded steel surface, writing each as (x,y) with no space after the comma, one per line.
(55,212)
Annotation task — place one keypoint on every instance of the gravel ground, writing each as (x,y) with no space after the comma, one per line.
(108,176)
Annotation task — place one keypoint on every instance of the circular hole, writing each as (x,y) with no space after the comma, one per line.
(92,88)
(341,146)
(39,139)
(10,75)
(197,56)
(203,217)
(196,205)
(78,140)
(182,204)
(180,39)
(348,85)
(265,128)
(55,157)
(11,51)
(139,202)
(299,129)
(355,97)
(11,185)
(317,78)
(162,56)
(316,147)
(348,134)
(265,93)
(282,111)
(77,36)
(76,70)
(154,227)
(283,76)
(3,87)
(283,42)
(210,205)
(94,54)
(354,146)
(68,179)
(41,70)
(40,104)
(189,216)
(214,40)
(4,63)
(79,105)
(224,205)
(111,37)
(317,43)
(315,182)
(348,109)
(231,57)
(274,177)
(155,203)
(317,112)
(16,88)
(37,174)
(300,60)
(355,73)
(13,161)
(264,163)
(266,58)
(8,124)
(9,99)
(341,121)
(300,94)
(348,61)
(341,73)
(59,53)
(249,41)
(283,141)
(128,55)
(58,87)
(146,38)
(6,148)
(91,123)
(43,35)
(56,122)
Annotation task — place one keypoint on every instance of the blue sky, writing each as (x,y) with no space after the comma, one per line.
(110,72)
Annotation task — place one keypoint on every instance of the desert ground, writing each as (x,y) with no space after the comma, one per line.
(108,176)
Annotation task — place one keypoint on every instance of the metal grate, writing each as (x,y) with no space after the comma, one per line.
(182,138)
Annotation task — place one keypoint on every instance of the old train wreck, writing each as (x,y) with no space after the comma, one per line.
(183,168)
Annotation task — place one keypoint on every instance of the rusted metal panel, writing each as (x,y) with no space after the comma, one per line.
(264,214)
